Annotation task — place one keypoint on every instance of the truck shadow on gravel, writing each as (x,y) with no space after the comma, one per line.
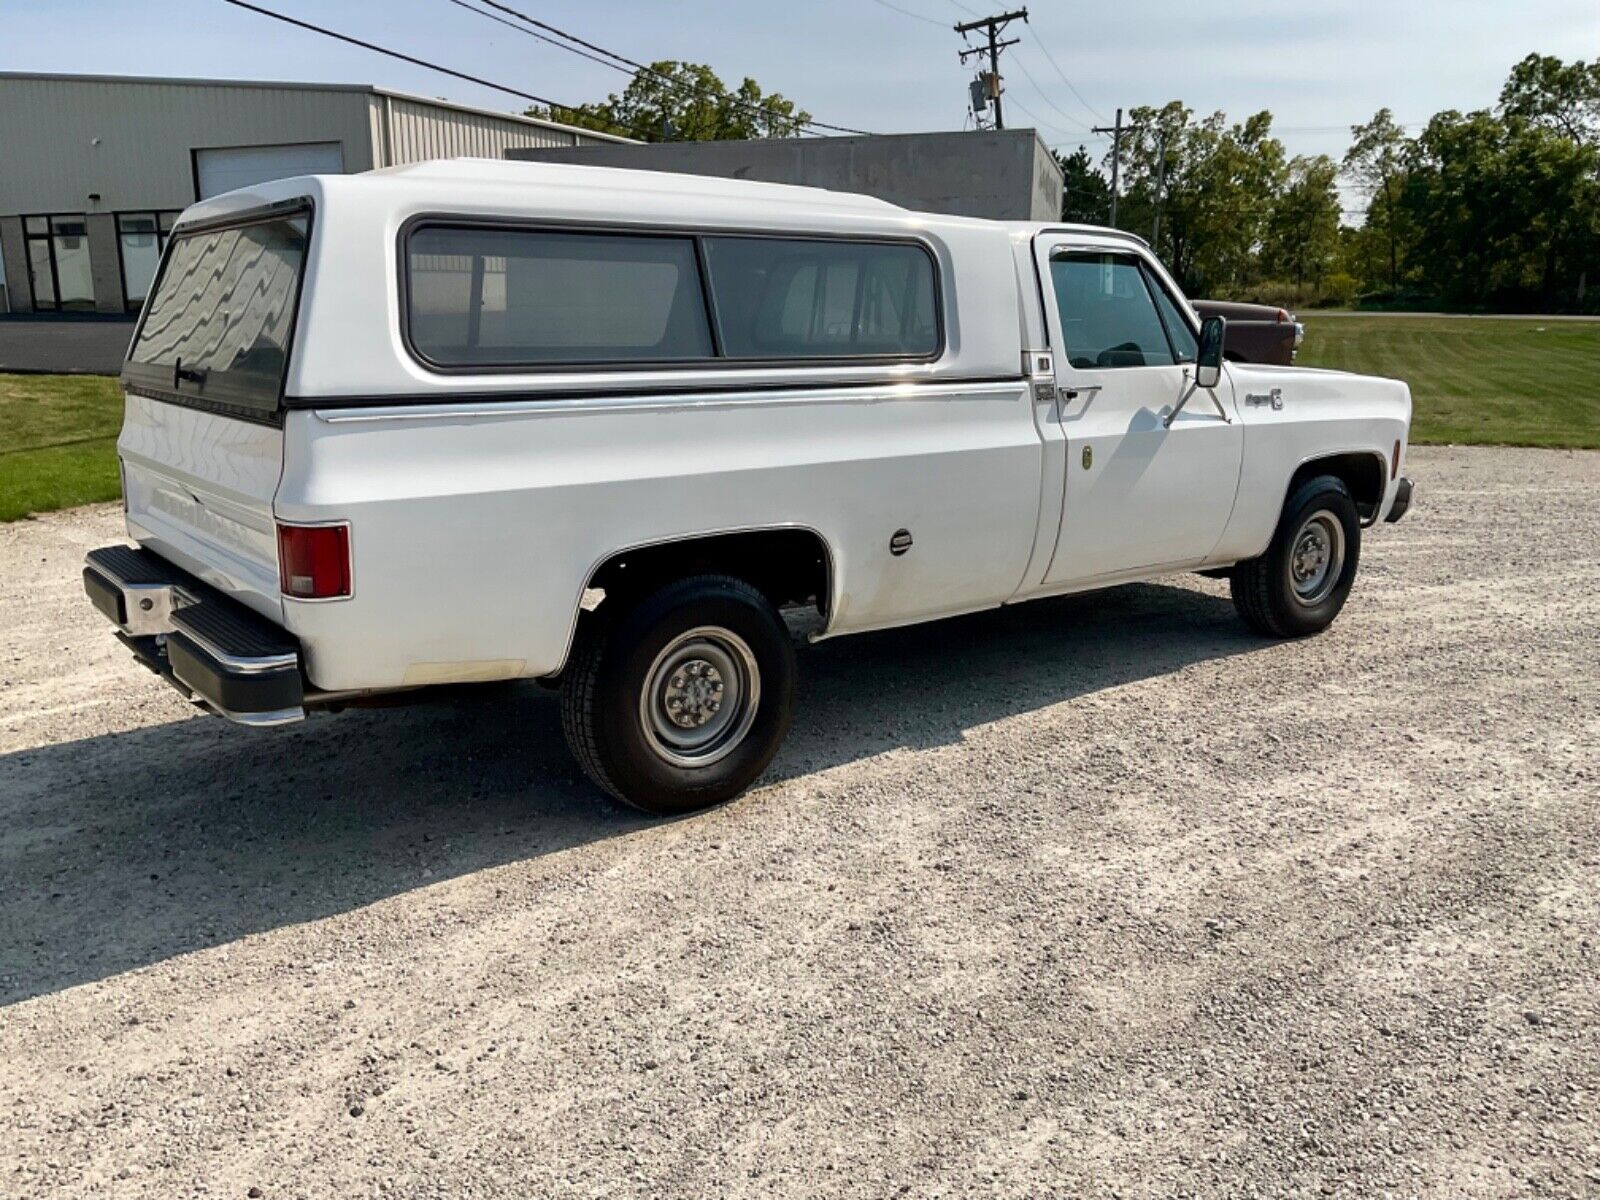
(123,850)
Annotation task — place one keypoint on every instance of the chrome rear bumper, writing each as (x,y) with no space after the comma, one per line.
(211,648)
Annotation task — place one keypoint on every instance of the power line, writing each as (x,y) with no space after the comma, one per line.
(1028,75)
(1341,128)
(906,12)
(533,33)
(772,113)
(489,16)
(1040,121)
(412,59)
(1044,50)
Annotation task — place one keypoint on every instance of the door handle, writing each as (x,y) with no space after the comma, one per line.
(1074,393)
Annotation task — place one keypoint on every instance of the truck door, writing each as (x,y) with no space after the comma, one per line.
(1141,495)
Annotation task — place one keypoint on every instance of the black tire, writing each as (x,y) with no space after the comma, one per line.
(1272,598)
(623,739)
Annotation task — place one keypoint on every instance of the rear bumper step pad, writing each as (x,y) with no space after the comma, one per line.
(1402,501)
(240,665)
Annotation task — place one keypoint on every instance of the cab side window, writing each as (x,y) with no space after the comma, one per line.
(1108,316)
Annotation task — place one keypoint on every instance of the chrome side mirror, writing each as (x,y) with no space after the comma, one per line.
(1208,359)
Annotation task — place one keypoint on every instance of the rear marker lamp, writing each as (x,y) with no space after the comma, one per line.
(314,561)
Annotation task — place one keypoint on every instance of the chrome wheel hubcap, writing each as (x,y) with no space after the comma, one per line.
(700,696)
(1316,560)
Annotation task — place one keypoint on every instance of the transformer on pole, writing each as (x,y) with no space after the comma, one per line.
(988,82)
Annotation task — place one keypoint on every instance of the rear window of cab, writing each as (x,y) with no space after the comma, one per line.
(481,297)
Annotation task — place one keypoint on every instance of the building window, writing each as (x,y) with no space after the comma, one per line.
(141,237)
(58,262)
(41,271)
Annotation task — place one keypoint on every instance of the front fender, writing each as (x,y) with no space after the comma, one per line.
(1296,415)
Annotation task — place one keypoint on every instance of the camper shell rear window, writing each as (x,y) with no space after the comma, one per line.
(219,324)
(480,296)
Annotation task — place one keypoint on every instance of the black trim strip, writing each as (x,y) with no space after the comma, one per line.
(697,234)
(1154,286)
(523,396)
(257,416)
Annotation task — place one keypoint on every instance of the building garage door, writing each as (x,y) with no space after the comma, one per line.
(229,167)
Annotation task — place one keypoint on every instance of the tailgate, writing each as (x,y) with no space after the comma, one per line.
(199,490)
(202,437)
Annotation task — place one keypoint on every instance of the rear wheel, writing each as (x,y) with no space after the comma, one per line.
(682,701)
(1299,585)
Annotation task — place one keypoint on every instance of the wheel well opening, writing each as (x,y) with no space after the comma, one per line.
(789,566)
(1361,471)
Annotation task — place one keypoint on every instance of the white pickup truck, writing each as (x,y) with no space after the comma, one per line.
(476,420)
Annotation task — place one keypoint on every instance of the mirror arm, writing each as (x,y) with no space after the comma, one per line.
(1221,412)
(1194,387)
(1177,408)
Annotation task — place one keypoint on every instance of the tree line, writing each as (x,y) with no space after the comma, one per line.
(671,101)
(1494,209)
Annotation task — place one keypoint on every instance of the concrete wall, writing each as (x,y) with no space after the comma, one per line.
(1005,175)
(19,291)
(1049,185)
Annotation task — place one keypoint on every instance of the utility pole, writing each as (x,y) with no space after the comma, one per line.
(1116,160)
(992,26)
(1161,187)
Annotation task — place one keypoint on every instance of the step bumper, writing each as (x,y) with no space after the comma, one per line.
(213,649)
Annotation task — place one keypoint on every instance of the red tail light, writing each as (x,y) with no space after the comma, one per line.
(314,561)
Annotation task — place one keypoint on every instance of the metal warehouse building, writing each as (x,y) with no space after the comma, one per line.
(95,168)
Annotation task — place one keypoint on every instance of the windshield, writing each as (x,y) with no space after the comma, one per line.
(222,312)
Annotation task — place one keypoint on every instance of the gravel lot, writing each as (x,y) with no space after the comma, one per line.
(1090,897)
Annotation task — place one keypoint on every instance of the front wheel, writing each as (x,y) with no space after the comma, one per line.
(1299,585)
(683,701)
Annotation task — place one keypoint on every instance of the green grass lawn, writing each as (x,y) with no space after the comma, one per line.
(1484,381)
(1475,380)
(58,442)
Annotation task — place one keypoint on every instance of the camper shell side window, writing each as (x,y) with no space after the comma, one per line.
(495,296)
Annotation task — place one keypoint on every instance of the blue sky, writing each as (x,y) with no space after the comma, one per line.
(1317,65)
